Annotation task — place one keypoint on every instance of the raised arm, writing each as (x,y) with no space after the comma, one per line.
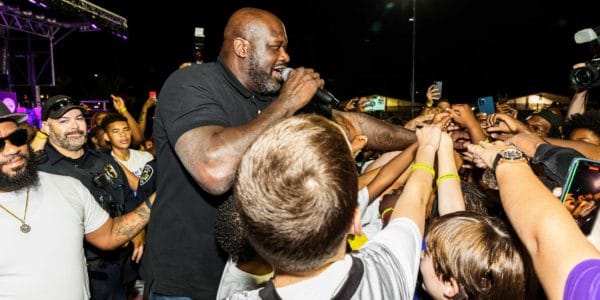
(415,196)
(450,197)
(391,171)
(383,136)
(212,153)
(117,231)
(137,136)
(545,227)
(463,115)
(579,99)
(142,119)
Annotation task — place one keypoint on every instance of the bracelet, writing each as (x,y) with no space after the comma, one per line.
(148,203)
(123,109)
(447,176)
(423,166)
(385,211)
(40,135)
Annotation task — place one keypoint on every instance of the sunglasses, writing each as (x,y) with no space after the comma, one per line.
(61,103)
(17,138)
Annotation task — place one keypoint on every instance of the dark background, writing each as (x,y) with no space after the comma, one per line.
(477,48)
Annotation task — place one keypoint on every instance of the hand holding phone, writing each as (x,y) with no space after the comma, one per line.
(581,196)
(376,103)
(437,90)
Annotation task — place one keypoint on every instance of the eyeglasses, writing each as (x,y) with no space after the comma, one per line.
(60,103)
(17,138)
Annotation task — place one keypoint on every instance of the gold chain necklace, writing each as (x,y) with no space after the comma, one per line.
(25,228)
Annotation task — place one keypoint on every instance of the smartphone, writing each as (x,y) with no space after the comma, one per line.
(152,94)
(438,86)
(581,192)
(376,103)
(486,105)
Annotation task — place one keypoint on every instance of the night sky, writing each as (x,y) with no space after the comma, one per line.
(477,48)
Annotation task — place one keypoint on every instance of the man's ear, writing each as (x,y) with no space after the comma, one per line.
(356,225)
(451,288)
(240,47)
(45,127)
(106,138)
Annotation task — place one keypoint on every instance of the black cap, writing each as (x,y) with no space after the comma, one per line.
(5,114)
(58,105)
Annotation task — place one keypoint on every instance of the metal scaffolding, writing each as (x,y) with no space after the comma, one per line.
(36,26)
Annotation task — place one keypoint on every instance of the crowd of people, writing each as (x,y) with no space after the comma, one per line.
(249,188)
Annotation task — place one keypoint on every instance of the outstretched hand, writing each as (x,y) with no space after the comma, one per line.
(118,102)
(433,94)
(429,135)
(483,155)
(502,126)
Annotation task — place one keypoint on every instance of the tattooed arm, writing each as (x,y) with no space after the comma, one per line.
(117,231)
(381,135)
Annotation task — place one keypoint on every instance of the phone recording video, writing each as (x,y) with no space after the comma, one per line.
(581,192)
(375,103)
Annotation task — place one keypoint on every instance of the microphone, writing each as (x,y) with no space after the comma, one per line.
(322,95)
(586,35)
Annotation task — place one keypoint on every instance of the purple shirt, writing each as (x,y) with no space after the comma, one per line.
(584,281)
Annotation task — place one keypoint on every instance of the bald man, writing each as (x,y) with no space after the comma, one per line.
(207,116)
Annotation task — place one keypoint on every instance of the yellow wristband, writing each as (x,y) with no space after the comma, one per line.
(40,135)
(123,109)
(387,210)
(423,166)
(447,176)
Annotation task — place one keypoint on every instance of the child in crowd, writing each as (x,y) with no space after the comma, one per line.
(118,134)
(245,269)
(299,206)
(472,256)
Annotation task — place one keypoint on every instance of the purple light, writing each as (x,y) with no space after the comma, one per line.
(94,26)
(33,2)
(119,35)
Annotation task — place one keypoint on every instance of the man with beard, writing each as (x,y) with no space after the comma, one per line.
(64,124)
(43,220)
(207,116)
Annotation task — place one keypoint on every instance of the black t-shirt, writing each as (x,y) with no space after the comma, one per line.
(181,256)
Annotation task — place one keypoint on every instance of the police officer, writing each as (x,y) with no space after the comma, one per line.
(64,126)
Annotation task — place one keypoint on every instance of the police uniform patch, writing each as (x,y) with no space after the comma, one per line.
(110,171)
(146,174)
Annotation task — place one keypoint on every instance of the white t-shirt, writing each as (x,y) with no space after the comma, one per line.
(369,214)
(136,162)
(391,265)
(48,262)
(235,280)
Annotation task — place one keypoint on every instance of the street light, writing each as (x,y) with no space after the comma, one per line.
(413,19)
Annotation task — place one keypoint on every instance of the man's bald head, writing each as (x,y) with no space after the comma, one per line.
(245,20)
(247,23)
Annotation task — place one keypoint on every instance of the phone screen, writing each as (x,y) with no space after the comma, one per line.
(581,192)
(486,105)
(376,103)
